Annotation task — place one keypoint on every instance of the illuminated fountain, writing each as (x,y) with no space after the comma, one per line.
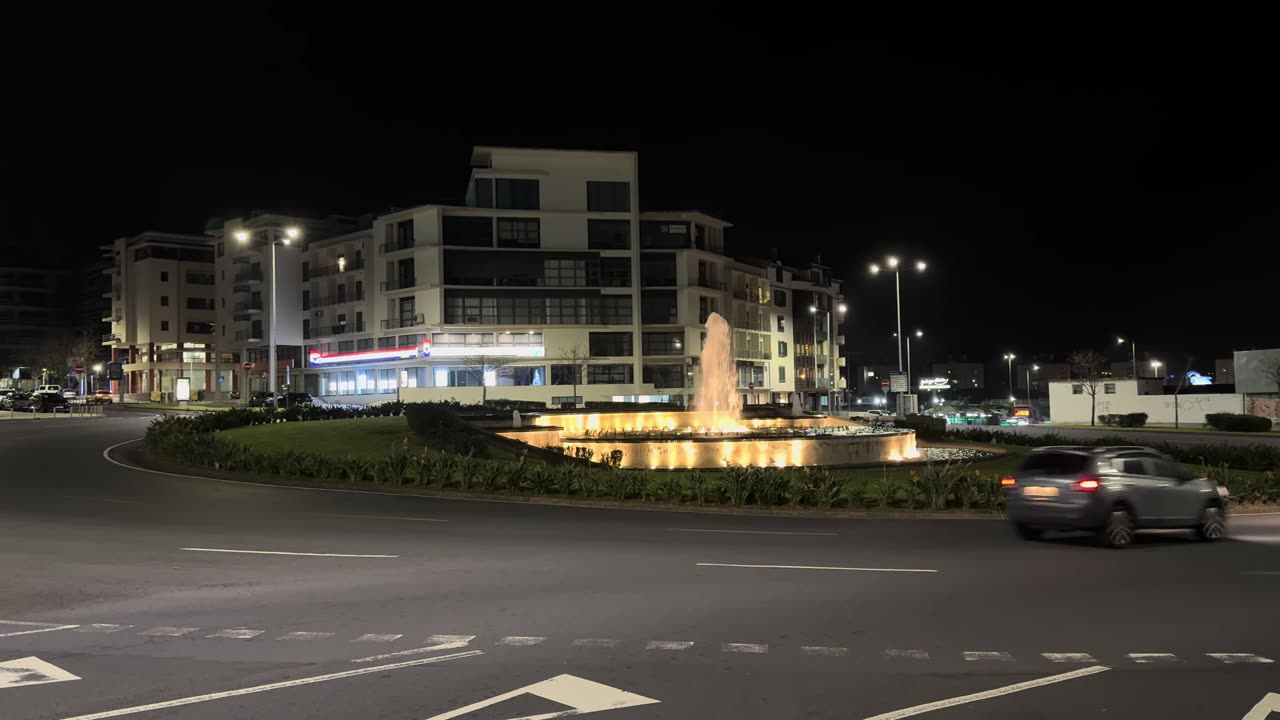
(714,433)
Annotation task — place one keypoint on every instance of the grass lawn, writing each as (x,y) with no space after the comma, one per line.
(363,437)
(1100,426)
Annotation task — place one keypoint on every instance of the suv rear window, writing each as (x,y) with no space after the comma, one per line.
(1054,463)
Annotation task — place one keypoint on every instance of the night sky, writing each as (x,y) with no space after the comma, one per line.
(1059,197)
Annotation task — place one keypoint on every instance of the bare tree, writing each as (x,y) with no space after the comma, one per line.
(476,367)
(1086,373)
(572,369)
(1271,371)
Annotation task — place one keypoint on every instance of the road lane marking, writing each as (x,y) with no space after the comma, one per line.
(906,654)
(31,670)
(817,567)
(984,695)
(594,643)
(582,697)
(749,648)
(464,639)
(1153,657)
(237,634)
(824,651)
(273,686)
(380,517)
(306,636)
(373,637)
(996,656)
(1266,539)
(169,631)
(520,640)
(1232,658)
(415,651)
(1069,657)
(753,532)
(668,645)
(281,552)
(102,628)
(37,630)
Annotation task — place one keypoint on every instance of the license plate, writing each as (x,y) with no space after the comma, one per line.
(1039,492)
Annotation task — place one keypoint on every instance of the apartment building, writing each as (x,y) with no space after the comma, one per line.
(162,313)
(28,310)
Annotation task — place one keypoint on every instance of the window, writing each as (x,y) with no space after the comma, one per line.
(1054,463)
(386,381)
(609,234)
(564,273)
(404,234)
(663,235)
(342,293)
(523,375)
(359,321)
(222,249)
(366,382)
(658,269)
(782,348)
(387,343)
(342,318)
(467,231)
(614,310)
(306,270)
(200,328)
(610,344)
(659,307)
(566,375)
(663,376)
(164,276)
(608,374)
(512,194)
(196,278)
(1109,388)
(608,196)
(407,312)
(164,301)
(562,400)
(364,344)
(509,339)
(662,343)
(481,193)
(346,346)
(615,272)
(782,323)
(518,232)
(780,298)
(405,275)
(306,328)
(164,326)
(359,290)
(782,373)
(306,299)
(1077,389)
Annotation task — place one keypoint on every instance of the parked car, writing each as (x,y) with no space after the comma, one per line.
(869,415)
(70,393)
(48,390)
(6,398)
(39,402)
(263,399)
(1111,492)
(101,396)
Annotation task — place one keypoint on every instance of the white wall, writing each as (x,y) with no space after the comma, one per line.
(1066,407)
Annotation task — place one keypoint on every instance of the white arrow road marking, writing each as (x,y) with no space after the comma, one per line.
(33,627)
(1264,707)
(31,671)
(583,696)
(273,686)
(988,694)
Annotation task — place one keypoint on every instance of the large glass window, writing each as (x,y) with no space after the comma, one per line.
(780,298)
(658,307)
(518,232)
(467,231)
(663,376)
(542,310)
(614,310)
(608,196)
(658,269)
(386,381)
(564,273)
(366,382)
(608,374)
(609,234)
(662,343)
(523,375)
(656,234)
(482,193)
(615,271)
(610,344)
(566,375)
(512,194)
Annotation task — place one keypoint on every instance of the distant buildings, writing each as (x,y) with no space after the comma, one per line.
(963,375)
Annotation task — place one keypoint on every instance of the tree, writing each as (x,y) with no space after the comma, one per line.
(476,367)
(1271,372)
(1086,373)
(572,368)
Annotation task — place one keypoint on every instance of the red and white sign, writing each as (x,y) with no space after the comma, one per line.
(246,365)
(884,384)
(79,368)
(421,350)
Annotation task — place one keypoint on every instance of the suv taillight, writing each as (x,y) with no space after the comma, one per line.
(1008,482)
(1089,484)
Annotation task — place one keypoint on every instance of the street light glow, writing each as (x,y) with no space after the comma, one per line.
(1035,367)
(1009,356)
(241,235)
(843,307)
(813,308)
(892,262)
(874,268)
(97,369)
(920,265)
(919,333)
(1119,340)
(292,232)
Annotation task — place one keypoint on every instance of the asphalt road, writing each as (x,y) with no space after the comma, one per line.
(1141,437)
(418,609)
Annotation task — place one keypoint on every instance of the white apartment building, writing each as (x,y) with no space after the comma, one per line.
(162,313)
(549,258)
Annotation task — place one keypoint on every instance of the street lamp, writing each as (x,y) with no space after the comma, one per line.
(291,233)
(1133,348)
(1155,368)
(918,334)
(1033,368)
(892,264)
(1009,357)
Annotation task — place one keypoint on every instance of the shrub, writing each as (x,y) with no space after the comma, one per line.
(666,487)
(736,483)
(927,428)
(882,491)
(1124,420)
(699,485)
(1237,423)
(938,480)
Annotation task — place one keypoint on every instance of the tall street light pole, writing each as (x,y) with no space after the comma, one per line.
(1155,368)
(813,315)
(1133,348)
(1036,368)
(290,234)
(1009,358)
(892,264)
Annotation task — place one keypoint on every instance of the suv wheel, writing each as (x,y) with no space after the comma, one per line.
(1213,524)
(1026,532)
(1118,530)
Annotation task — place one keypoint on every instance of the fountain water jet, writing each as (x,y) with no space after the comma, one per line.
(717,390)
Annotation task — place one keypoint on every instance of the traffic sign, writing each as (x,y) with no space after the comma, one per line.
(884,384)
(222,378)
(246,365)
(898,382)
(79,368)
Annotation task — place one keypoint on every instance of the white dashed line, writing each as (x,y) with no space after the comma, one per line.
(750,648)
(102,628)
(237,634)
(377,638)
(520,640)
(305,636)
(906,654)
(753,532)
(168,631)
(464,639)
(1233,658)
(415,651)
(49,628)
(824,651)
(1153,657)
(816,567)
(676,645)
(997,656)
(595,643)
(1070,657)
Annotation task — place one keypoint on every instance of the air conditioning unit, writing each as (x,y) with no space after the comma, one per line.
(472,320)
(319,313)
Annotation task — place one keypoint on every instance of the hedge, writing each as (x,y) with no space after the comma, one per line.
(1237,423)
(1128,420)
(926,427)
(1255,456)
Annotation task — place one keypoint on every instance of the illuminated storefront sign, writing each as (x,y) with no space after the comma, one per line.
(936,383)
(1195,378)
(422,350)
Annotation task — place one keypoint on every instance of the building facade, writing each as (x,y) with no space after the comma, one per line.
(548,285)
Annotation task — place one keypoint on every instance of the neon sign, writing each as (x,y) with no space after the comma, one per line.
(936,383)
(421,350)
(1195,378)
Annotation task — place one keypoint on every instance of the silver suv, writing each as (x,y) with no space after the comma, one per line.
(1111,491)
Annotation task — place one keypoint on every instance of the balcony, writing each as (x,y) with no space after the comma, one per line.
(110,338)
(330,330)
(403,283)
(334,300)
(394,246)
(710,283)
(112,318)
(244,336)
(397,323)
(248,276)
(241,307)
(334,269)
